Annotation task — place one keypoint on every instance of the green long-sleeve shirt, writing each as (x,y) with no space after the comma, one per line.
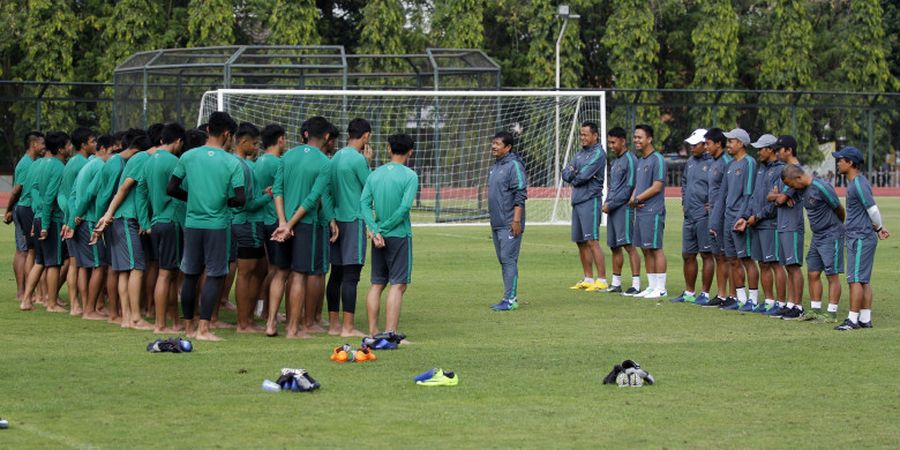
(152,186)
(134,206)
(81,199)
(20,176)
(70,173)
(389,192)
(254,208)
(107,182)
(264,170)
(302,178)
(49,180)
(349,171)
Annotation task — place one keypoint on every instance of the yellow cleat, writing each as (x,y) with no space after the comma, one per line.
(597,286)
(581,285)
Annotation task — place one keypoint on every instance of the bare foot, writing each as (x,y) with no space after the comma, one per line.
(114,320)
(56,309)
(221,325)
(352,333)
(161,330)
(177,328)
(76,311)
(272,329)
(315,329)
(25,306)
(93,316)
(228,306)
(60,303)
(300,335)
(142,325)
(334,331)
(250,329)
(208,336)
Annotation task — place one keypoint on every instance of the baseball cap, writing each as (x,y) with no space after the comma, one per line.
(766,140)
(698,136)
(739,134)
(786,141)
(849,153)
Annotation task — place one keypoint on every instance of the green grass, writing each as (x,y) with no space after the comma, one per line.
(530,378)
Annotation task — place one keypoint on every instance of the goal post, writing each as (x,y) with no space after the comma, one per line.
(452,131)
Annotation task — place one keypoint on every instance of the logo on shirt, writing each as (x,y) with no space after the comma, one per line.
(737,171)
(210,153)
(705,168)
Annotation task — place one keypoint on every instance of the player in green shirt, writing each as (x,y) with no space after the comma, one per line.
(300,182)
(49,252)
(216,182)
(349,172)
(18,210)
(278,253)
(84,141)
(387,197)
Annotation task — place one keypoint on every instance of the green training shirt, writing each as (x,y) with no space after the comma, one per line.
(20,176)
(34,180)
(302,179)
(349,171)
(211,174)
(70,173)
(254,208)
(81,200)
(49,180)
(108,182)
(157,172)
(134,169)
(389,192)
(264,170)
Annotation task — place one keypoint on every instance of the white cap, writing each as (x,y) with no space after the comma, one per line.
(698,136)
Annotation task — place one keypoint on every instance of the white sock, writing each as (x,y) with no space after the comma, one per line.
(865,315)
(780,303)
(742,295)
(661,282)
(791,305)
(770,302)
(587,280)
(853,316)
(636,282)
(691,293)
(754,295)
(832,307)
(617,280)
(602,280)
(800,307)
(705,293)
(815,304)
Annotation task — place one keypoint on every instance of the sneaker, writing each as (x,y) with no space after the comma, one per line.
(689,298)
(792,314)
(613,289)
(702,300)
(631,292)
(644,292)
(747,307)
(715,302)
(775,311)
(597,286)
(847,325)
(680,299)
(581,286)
(811,314)
(497,305)
(507,305)
(760,308)
(865,324)
(654,294)
(730,303)
(438,378)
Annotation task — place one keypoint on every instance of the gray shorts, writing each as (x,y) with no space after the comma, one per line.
(86,255)
(350,248)
(619,225)
(168,243)
(322,249)
(303,258)
(248,238)
(649,230)
(278,253)
(826,254)
(695,236)
(49,252)
(764,244)
(860,256)
(790,248)
(206,249)
(126,251)
(586,221)
(393,263)
(23,216)
(738,245)
(717,242)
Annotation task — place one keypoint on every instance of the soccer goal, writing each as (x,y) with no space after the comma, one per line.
(452,131)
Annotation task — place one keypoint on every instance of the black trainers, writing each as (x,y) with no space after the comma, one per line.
(729,303)
(781,312)
(847,325)
(715,303)
(792,314)
(613,289)
(631,292)
(865,324)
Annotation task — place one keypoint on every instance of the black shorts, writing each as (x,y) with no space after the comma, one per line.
(248,237)
(206,249)
(393,263)
(49,252)
(350,248)
(149,248)
(279,253)
(303,252)
(168,243)
(23,216)
(322,250)
(126,251)
(86,255)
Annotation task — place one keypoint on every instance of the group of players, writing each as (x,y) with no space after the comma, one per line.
(136,221)
(742,216)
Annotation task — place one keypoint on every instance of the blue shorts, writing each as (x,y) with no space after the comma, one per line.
(586,221)
(790,248)
(206,249)
(248,238)
(695,236)
(126,251)
(826,254)
(49,252)
(86,255)
(393,263)
(764,245)
(649,230)
(322,249)
(168,244)
(303,258)
(350,247)
(23,216)
(860,256)
(619,225)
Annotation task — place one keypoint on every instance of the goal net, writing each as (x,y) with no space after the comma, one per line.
(452,131)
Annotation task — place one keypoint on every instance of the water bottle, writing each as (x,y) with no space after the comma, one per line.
(4,424)
(270,386)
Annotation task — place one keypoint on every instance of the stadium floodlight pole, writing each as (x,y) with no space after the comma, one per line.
(563,13)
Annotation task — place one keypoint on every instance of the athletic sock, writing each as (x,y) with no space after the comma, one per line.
(636,282)
(832,307)
(780,303)
(587,280)
(654,280)
(602,280)
(815,304)
(617,280)
(741,295)
(769,302)
(705,293)
(691,293)
(661,282)
(865,315)
(791,305)
(754,296)
(853,316)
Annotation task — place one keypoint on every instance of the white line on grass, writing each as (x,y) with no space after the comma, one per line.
(63,440)
(488,239)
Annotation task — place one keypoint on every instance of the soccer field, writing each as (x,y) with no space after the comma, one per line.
(529,378)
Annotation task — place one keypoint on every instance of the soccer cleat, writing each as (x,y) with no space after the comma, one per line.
(811,314)
(597,286)
(613,289)
(847,325)
(760,308)
(425,375)
(702,300)
(730,303)
(439,378)
(680,299)
(631,292)
(581,286)
(865,324)
(747,307)
(655,293)
(644,292)
(689,298)
(775,311)
(496,305)
(507,305)
(792,314)
(715,302)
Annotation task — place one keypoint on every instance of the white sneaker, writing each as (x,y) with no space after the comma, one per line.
(645,292)
(656,294)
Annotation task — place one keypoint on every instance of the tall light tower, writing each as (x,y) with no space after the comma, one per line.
(563,13)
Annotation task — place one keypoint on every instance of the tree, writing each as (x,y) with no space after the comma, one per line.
(382,33)
(293,22)
(210,22)
(714,54)
(543,30)
(787,65)
(458,24)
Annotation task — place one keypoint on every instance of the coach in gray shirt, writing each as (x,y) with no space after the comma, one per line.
(507,193)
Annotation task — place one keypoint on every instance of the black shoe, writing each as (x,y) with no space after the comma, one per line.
(631,292)
(729,303)
(847,325)
(865,324)
(715,303)
(792,314)
(781,312)
(613,289)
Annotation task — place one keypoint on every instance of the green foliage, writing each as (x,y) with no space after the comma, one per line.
(293,22)
(458,24)
(383,29)
(543,30)
(210,22)
(787,64)
(714,54)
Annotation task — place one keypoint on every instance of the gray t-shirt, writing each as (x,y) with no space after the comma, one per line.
(650,169)
(821,203)
(859,200)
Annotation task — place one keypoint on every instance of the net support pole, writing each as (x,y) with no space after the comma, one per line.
(553,215)
(602,139)
(220,100)
(556,172)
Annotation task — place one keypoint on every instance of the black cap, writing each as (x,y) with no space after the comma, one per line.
(785,141)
